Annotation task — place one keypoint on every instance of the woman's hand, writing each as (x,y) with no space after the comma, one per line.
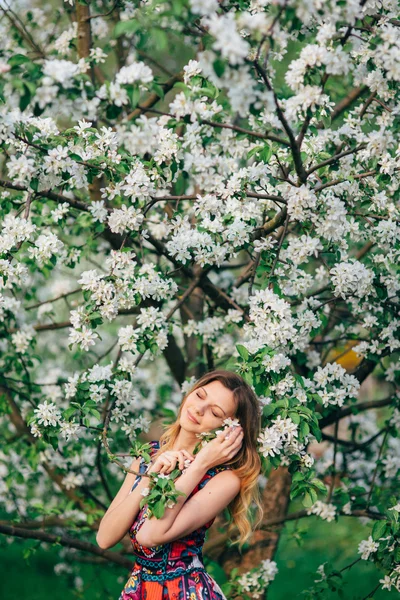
(220,449)
(168,461)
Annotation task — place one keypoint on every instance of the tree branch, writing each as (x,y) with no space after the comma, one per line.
(301,173)
(349,410)
(68,542)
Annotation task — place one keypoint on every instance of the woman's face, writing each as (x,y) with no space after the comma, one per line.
(206,407)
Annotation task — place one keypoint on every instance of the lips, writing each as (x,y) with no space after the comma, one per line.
(192,418)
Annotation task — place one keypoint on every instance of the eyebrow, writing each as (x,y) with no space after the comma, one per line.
(217,405)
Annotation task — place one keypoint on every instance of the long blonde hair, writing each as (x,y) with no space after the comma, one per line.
(246,463)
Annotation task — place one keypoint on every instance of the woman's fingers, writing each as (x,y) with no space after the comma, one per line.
(232,435)
(188,455)
(166,464)
(235,441)
(172,459)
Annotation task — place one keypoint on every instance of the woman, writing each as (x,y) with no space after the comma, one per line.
(224,473)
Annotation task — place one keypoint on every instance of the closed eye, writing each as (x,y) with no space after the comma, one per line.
(213,413)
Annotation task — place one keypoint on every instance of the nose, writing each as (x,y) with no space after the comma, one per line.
(198,410)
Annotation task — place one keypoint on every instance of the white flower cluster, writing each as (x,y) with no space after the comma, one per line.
(280,436)
(300,248)
(139,425)
(60,71)
(228,41)
(11,275)
(149,319)
(187,242)
(22,338)
(301,202)
(212,331)
(254,582)
(308,97)
(73,480)
(125,219)
(118,289)
(149,284)
(198,108)
(336,62)
(271,321)
(137,71)
(15,230)
(333,384)
(47,413)
(276,363)
(21,168)
(352,278)
(84,337)
(391,580)
(69,430)
(46,246)
(323,510)
(203,7)
(367,547)
(62,43)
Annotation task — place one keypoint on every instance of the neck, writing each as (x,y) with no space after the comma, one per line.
(186,440)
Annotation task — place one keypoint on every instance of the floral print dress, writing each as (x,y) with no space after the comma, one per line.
(172,571)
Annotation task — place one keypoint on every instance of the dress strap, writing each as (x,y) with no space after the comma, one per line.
(155,445)
(143,466)
(142,469)
(210,474)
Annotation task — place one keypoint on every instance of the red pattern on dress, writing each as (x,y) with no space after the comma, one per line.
(172,571)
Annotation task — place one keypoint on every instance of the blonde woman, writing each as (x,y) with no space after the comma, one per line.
(224,473)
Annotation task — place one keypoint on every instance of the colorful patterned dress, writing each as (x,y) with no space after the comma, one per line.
(172,571)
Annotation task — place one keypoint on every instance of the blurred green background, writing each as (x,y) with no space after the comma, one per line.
(33,576)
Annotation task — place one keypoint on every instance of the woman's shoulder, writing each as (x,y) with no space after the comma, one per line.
(229,475)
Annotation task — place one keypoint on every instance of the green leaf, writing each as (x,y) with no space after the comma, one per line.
(304,428)
(219,67)
(266,153)
(182,86)
(25,98)
(295,417)
(69,412)
(124,27)
(34,184)
(18,59)
(319,485)
(157,89)
(133,94)
(95,413)
(244,353)
(268,409)
(158,509)
(159,37)
(378,530)
(307,500)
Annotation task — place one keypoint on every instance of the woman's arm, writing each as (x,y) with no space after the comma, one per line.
(186,517)
(221,490)
(122,511)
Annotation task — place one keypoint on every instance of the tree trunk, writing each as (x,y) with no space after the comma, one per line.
(263,544)
(193,309)
(84,37)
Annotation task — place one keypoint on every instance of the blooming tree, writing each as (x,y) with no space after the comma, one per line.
(193,184)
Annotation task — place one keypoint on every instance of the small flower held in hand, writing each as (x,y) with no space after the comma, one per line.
(207,436)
